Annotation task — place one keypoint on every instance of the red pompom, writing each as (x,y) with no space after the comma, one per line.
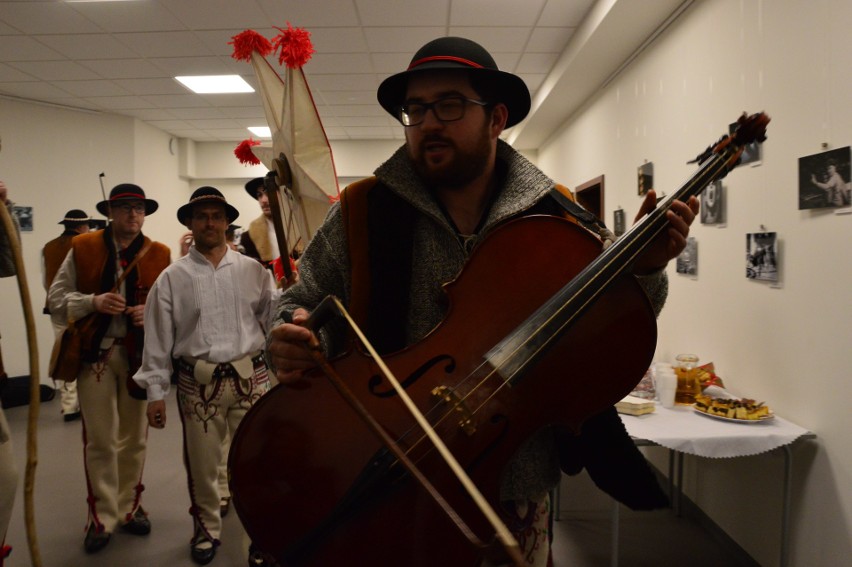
(295,46)
(247,42)
(244,153)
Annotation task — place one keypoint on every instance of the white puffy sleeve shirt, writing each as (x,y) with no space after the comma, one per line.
(194,309)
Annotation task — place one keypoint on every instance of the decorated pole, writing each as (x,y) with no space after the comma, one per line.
(298,137)
(35,383)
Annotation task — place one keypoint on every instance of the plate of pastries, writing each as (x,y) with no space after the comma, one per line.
(741,410)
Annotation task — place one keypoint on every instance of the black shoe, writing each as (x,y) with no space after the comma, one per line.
(202,555)
(224,506)
(96,538)
(139,524)
(73,416)
(257,558)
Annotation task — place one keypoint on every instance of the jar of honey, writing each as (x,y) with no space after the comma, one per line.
(687,379)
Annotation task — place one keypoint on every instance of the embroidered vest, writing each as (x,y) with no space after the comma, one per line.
(90,257)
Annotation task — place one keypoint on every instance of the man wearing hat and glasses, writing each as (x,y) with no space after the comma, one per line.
(74,222)
(112,406)
(207,317)
(423,213)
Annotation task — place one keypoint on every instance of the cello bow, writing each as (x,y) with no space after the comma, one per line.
(331,306)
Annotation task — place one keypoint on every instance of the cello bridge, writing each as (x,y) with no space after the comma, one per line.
(448,396)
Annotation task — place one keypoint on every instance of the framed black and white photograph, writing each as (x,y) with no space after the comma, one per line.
(824,180)
(618,221)
(752,153)
(713,204)
(687,261)
(25,217)
(762,256)
(645,178)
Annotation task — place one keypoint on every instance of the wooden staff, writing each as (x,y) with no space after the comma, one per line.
(35,383)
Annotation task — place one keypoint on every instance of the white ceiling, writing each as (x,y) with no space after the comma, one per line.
(121,57)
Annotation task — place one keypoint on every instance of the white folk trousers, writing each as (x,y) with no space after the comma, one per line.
(210,413)
(115,436)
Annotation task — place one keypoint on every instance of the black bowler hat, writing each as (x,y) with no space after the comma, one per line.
(458,53)
(127,192)
(253,185)
(206,194)
(76,217)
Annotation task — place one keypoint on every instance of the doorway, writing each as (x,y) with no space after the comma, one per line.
(590,195)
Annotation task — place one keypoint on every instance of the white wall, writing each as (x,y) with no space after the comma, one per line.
(786,345)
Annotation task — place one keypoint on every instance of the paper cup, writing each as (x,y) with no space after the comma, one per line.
(666,388)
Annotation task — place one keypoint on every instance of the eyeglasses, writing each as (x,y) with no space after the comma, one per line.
(447,109)
(126,208)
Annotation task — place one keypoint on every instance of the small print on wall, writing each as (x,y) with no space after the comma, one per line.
(824,180)
(645,177)
(713,204)
(618,221)
(762,256)
(687,261)
(25,217)
(752,153)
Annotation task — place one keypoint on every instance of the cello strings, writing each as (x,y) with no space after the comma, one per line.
(644,233)
(502,532)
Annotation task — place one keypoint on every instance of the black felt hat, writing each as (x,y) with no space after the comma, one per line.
(206,194)
(458,53)
(253,185)
(127,192)
(76,217)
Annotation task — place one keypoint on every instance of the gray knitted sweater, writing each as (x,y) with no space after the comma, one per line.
(438,256)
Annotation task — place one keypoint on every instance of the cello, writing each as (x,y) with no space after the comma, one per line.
(315,470)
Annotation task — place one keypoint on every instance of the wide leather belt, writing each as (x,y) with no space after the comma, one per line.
(203,370)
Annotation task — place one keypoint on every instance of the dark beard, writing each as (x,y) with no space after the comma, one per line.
(464,168)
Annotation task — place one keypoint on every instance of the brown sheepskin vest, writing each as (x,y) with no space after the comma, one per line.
(54,253)
(90,256)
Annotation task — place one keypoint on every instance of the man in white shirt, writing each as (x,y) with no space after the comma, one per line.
(209,310)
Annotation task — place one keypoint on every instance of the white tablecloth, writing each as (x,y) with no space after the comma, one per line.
(683,429)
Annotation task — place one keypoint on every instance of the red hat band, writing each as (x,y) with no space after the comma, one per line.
(461,60)
(127,196)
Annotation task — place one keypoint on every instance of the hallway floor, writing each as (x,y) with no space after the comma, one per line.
(582,537)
